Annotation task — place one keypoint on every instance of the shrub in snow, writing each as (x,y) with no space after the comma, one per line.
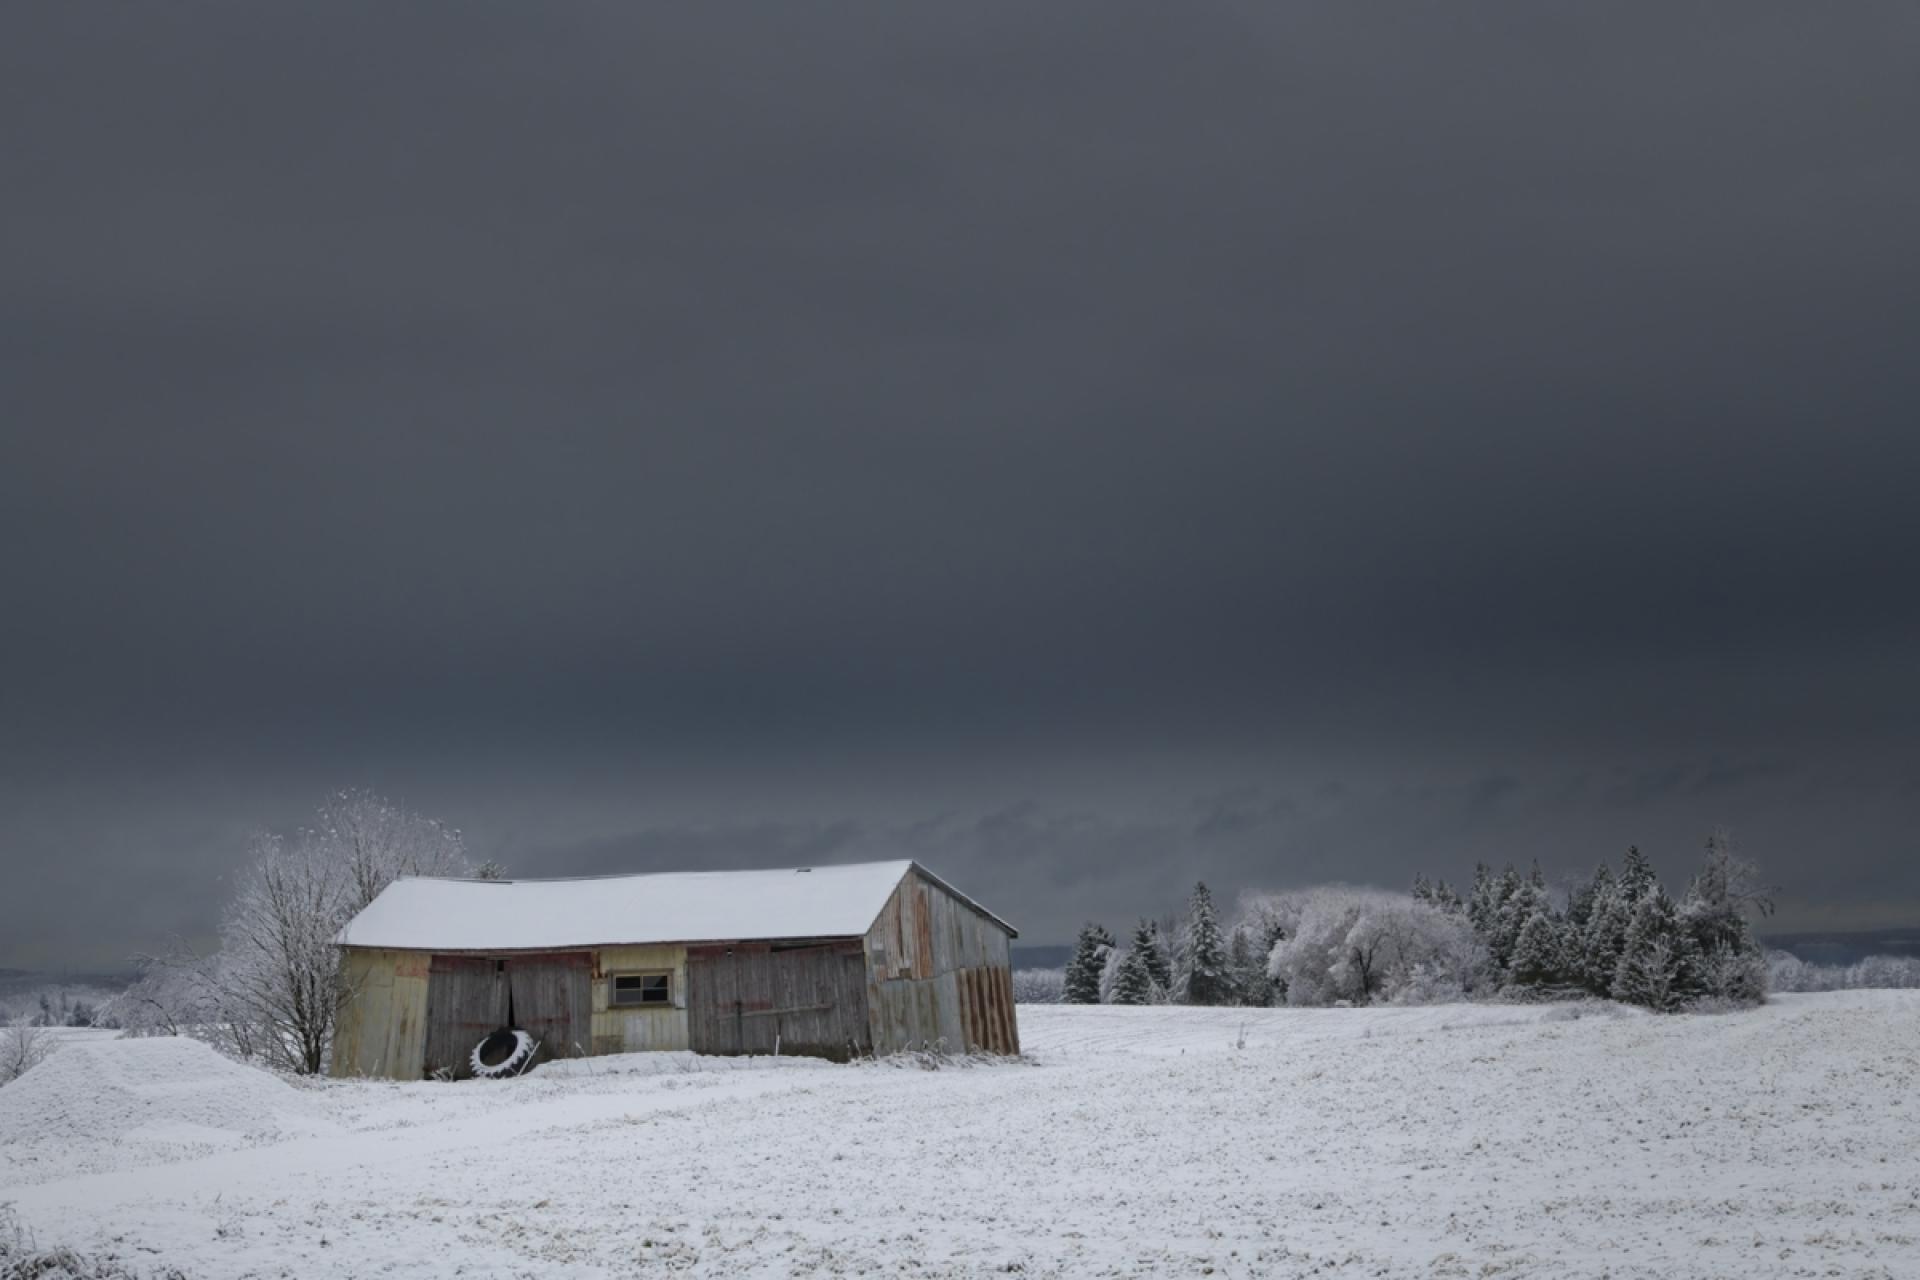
(1787,972)
(1045,986)
(23,1047)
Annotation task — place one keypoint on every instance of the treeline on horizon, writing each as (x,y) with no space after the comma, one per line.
(1617,935)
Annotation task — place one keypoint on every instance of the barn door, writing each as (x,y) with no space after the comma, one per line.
(762,998)
(466,1000)
(550,997)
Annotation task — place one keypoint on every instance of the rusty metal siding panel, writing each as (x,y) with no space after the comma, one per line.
(922,933)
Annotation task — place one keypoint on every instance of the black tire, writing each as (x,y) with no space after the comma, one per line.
(504,1053)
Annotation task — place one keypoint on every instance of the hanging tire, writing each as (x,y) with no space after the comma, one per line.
(502,1054)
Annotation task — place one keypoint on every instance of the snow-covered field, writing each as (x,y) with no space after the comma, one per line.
(1446,1141)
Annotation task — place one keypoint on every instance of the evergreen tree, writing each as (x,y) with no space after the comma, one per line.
(1636,876)
(1133,983)
(1659,965)
(1713,914)
(1153,954)
(1247,967)
(1206,977)
(1447,898)
(1513,902)
(1537,955)
(1089,961)
(1605,934)
(1480,900)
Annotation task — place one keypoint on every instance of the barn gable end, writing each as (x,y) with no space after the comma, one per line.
(939,972)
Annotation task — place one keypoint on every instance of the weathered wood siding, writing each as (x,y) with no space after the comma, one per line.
(466,1001)
(758,997)
(938,975)
(550,997)
(637,1030)
(382,1026)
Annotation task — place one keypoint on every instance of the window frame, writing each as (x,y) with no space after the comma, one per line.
(613,989)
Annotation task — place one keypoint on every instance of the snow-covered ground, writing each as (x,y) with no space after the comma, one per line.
(1446,1141)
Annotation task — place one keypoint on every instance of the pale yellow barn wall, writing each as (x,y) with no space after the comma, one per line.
(639,1030)
(381,1030)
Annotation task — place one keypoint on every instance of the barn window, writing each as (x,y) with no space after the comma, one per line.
(631,989)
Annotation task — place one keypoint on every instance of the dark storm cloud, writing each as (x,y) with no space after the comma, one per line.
(1092,446)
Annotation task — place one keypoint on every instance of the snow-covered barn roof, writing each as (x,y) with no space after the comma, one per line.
(432,914)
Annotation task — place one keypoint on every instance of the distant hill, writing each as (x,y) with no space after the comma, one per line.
(1846,946)
(1041,957)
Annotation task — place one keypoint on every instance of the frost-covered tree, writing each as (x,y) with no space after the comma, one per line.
(1039,986)
(1659,965)
(1637,879)
(1538,955)
(1205,977)
(1363,945)
(1147,945)
(1732,964)
(1132,979)
(1605,934)
(1088,964)
(24,1045)
(279,966)
(375,842)
(277,977)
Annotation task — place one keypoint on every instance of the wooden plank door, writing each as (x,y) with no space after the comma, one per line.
(550,997)
(761,998)
(466,1001)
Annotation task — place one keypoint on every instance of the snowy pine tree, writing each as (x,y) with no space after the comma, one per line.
(1732,964)
(1133,981)
(1605,934)
(1537,958)
(1659,965)
(1636,876)
(1153,954)
(1089,961)
(1205,977)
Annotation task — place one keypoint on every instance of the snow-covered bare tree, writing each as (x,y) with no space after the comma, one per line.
(376,841)
(1362,945)
(279,969)
(23,1046)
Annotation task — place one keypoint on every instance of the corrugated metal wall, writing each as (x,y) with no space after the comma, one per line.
(939,975)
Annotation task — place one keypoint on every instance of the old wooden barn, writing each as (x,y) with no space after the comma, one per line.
(835,962)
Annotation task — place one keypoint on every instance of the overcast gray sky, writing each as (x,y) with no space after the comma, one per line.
(1084,446)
